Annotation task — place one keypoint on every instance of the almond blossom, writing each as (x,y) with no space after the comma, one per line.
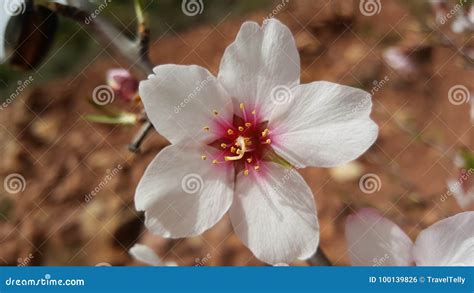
(235,139)
(371,237)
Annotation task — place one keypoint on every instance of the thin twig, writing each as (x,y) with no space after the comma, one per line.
(143,32)
(140,136)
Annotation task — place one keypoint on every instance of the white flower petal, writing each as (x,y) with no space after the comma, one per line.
(183,195)
(275,215)
(146,255)
(75,3)
(4,20)
(179,100)
(260,59)
(376,241)
(325,125)
(449,242)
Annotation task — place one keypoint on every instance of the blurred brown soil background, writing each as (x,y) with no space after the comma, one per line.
(63,157)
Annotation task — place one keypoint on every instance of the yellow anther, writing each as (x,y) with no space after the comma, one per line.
(268,141)
(246,172)
(249,160)
(232,149)
(257,168)
(203,158)
(265,132)
(230,131)
(215,112)
(215,161)
(242,106)
(206,128)
(254,112)
(241,128)
(248,124)
(223,145)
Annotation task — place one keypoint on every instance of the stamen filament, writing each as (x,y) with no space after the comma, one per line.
(242,107)
(240,151)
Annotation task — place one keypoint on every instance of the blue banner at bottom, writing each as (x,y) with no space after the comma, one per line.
(237,279)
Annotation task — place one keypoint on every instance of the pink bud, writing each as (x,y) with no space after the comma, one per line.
(123,83)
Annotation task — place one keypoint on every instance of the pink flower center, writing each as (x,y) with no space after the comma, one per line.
(244,141)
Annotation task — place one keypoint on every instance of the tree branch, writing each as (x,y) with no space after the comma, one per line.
(135,51)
